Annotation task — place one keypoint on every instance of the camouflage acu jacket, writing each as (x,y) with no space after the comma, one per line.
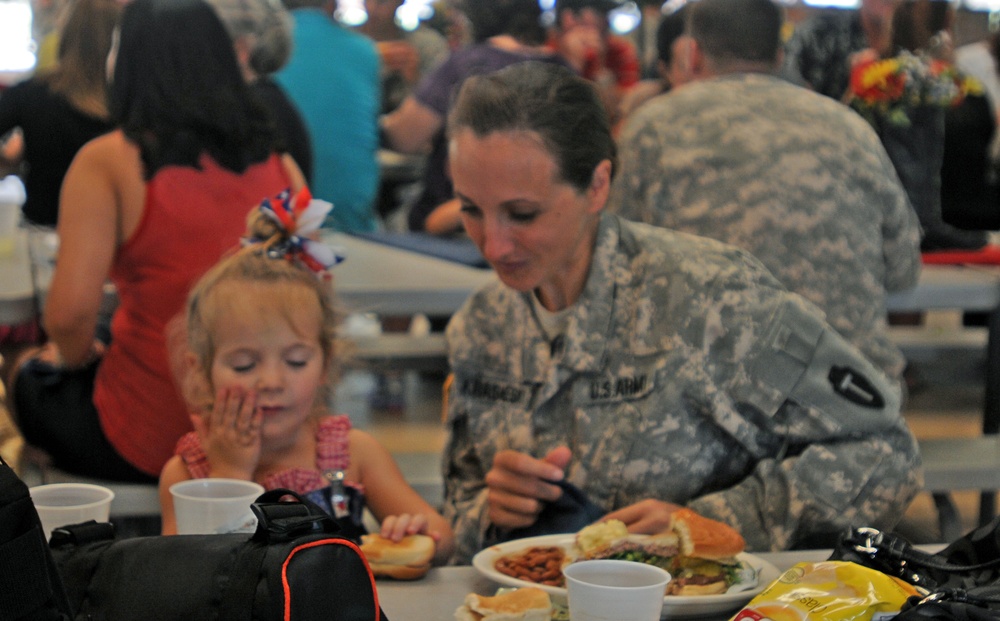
(687,374)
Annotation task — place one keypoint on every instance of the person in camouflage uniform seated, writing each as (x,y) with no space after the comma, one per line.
(797,179)
(648,368)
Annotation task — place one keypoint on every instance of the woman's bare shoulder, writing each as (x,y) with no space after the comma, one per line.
(112,148)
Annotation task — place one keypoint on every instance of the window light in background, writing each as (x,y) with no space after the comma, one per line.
(982,5)
(625,18)
(408,16)
(17,49)
(840,4)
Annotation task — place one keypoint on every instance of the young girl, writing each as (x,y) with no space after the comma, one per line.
(260,349)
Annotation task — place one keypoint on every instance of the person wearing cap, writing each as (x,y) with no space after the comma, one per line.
(582,36)
(261,31)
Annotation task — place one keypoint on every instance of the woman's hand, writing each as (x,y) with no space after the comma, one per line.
(519,485)
(230,434)
(646,517)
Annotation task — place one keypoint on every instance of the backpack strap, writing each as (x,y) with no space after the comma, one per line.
(245,573)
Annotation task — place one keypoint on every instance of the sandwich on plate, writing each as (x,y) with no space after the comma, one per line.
(700,553)
(526,604)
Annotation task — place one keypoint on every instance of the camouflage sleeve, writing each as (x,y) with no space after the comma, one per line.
(465,488)
(829,486)
(847,456)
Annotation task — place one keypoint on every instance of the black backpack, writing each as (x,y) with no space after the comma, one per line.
(30,587)
(295,567)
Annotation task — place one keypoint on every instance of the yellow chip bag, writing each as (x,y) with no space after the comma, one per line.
(828,591)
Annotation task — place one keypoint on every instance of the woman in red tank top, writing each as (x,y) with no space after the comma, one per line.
(151,206)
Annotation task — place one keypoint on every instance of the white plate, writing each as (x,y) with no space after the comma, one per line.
(673,605)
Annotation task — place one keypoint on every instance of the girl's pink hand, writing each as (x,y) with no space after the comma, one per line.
(230,433)
(396,527)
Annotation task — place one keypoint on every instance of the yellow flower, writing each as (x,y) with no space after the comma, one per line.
(972,86)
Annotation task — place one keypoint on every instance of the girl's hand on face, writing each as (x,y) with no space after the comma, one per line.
(230,433)
(396,527)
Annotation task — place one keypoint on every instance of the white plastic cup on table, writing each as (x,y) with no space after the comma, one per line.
(607,590)
(11,198)
(62,504)
(215,506)
(43,245)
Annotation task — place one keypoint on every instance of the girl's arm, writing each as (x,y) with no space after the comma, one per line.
(391,499)
(89,234)
(173,472)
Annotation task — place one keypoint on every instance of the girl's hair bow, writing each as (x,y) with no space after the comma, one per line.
(295,217)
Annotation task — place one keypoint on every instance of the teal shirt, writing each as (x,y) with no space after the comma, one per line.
(333,78)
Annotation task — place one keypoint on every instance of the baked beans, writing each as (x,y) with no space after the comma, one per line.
(541,565)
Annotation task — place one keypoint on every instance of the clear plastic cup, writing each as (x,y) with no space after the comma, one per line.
(11,198)
(61,504)
(213,506)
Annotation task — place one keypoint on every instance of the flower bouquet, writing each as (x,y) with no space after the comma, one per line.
(891,89)
(905,99)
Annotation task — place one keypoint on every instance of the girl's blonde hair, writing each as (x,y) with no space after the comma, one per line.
(255,264)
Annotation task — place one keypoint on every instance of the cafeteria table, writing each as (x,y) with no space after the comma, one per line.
(381,279)
(436,596)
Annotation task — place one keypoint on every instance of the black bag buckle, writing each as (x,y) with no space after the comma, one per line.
(285,521)
(870,540)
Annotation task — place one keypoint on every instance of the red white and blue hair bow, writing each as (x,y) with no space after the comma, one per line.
(298,216)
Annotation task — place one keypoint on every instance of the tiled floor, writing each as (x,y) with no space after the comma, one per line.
(947,401)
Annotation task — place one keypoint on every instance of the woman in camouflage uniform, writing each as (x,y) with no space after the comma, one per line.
(648,368)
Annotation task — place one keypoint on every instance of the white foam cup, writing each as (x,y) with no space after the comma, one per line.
(212,506)
(61,504)
(606,590)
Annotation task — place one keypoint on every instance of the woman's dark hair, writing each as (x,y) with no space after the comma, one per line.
(521,19)
(549,100)
(178,91)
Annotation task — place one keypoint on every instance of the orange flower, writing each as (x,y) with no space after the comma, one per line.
(878,80)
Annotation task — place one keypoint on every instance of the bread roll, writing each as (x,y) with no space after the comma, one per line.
(406,559)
